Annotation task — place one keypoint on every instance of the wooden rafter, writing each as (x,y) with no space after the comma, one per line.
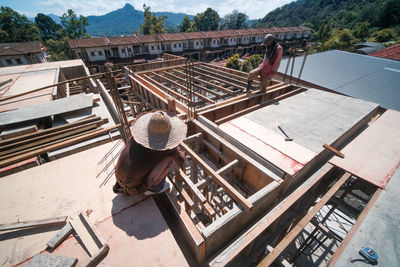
(221,88)
(230,75)
(205,89)
(221,76)
(184,88)
(168,90)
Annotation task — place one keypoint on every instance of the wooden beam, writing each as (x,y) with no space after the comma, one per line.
(184,88)
(222,77)
(60,236)
(233,193)
(169,91)
(205,89)
(220,80)
(268,260)
(193,189)
(228,167)
(31,224)
(55,146)
(234,76)
(221,88)
(103,250)
(334,150)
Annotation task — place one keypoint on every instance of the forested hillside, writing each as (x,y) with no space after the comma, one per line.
(373,20)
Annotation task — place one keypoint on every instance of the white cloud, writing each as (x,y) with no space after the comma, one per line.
(253,8)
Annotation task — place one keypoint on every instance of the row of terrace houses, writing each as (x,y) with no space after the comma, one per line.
(200,45)
(14,54)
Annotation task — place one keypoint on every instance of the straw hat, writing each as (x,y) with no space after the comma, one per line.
(159,130)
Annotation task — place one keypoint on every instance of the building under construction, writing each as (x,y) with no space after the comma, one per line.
(294,176)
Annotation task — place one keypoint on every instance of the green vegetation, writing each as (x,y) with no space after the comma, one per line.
(247,65)
(338,24)
(152,24)
(234,21)
(18,28)
(15,27)
(206,21)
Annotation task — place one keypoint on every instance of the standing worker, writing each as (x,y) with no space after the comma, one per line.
(270,64)
(147,157)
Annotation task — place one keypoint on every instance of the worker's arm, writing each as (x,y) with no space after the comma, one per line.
(277,60)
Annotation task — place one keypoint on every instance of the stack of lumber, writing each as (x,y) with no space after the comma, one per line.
(17,149)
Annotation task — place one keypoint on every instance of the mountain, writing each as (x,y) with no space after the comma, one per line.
(125,20)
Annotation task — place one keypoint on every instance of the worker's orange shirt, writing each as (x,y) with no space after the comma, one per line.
(267,69)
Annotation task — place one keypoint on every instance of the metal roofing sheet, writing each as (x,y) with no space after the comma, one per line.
(364,77)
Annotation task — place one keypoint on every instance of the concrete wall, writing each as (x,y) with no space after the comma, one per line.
(154,49)
(95,54)
(232,41)
(176,46)
(214,42)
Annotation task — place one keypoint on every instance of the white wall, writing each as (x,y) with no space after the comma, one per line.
(259,38)
(13,60)
(176,46)
(154,49)
(231,41)
(244,39)
(96,53)
(214,43)
(198,44)
(124,51)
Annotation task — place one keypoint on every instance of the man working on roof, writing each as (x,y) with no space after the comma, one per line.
(270,64)
(147,157)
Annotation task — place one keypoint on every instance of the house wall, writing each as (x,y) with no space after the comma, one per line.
(7,61)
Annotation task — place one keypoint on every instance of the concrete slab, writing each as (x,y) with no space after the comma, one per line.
(374,155)
(55,107)
(133,226)
(380,230)
(312,118)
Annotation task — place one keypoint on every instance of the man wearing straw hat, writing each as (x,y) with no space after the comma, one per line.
(147,157)
(270,64)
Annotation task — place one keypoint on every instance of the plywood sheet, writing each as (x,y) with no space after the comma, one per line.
(375,154)
(132,226)
(287,155)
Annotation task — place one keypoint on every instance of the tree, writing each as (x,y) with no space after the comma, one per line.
(391,13)
(207,21)
(152,24)
(234,21)
(74,26)
(59,49)
(15,27)
(47,27)
(233,62)
(186,25)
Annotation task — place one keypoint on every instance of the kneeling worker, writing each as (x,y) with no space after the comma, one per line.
(270,64)
(146,159)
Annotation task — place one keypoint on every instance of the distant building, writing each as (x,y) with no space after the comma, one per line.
(14,54)
(367,48)
(198,45)
(391,52)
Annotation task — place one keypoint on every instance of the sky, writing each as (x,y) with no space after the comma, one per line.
(255,9)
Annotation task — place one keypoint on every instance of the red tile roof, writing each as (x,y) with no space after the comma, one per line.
(153,38)
(87,42)
(391,52)
(213,34)
(174,37)
(20,48)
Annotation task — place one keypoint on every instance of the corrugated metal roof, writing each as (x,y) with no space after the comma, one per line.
(364,77)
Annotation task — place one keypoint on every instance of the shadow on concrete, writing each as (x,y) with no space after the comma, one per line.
(138,216)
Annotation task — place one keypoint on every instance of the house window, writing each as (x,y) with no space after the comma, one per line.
(136,49)
(19,61)
(179,45)
(174,45)
(92,54)
(213,41)
(123,50)
(107,52)
(158,47)
(9,62)
(168,46)
(129,50)
(100,53)
(197,43)
(152,47)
